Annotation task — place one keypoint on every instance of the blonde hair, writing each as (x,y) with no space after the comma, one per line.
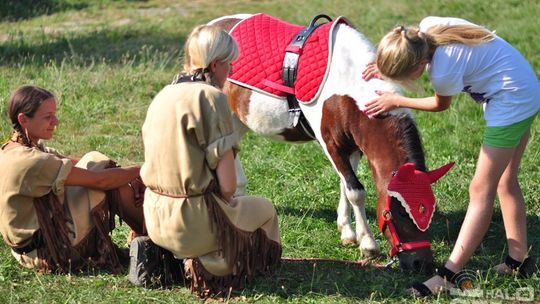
(401,51)
(205,44)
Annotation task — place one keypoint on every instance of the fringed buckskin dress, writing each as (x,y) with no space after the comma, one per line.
(188,128)
(51,227)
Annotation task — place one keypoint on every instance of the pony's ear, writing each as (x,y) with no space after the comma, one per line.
(406,172)
(438,173)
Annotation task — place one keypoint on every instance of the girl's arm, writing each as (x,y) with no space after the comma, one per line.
(226,174)
(103,179)
(388,101)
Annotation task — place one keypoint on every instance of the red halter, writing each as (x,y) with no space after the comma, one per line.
(386,219)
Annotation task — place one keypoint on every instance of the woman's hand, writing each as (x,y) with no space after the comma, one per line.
(105,179)
(371,71)
(386,101)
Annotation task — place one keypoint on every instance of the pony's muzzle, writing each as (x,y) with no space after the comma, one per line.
(418,261)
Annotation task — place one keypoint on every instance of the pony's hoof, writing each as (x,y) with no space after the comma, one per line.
(348,236)
(369,248)
(348,241)
(371,253)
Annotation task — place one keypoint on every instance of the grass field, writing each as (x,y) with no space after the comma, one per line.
(106,59)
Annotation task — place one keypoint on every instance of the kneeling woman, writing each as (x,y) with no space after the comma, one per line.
(57,213)
(190,144)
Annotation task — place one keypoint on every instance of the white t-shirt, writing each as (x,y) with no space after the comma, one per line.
(494,74)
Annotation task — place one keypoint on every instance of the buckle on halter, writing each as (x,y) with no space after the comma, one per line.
(387,215)
(392,261)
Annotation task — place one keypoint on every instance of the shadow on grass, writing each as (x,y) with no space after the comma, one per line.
(121,45)
(445,228)
(327,278)
(338,278)
(324,278)
(13,10)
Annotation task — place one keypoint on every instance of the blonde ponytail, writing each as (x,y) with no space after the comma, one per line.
(463,33)
(400,52)
(205,44)
(402,49)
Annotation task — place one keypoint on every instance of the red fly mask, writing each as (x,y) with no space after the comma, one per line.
(412,188)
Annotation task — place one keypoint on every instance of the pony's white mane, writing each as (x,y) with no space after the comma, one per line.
(351,52)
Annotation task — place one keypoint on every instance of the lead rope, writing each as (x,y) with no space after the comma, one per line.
(361,263)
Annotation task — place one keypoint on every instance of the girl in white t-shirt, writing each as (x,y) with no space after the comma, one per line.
(463,57)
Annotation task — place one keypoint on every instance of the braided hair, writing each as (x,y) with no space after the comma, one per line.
(25,99)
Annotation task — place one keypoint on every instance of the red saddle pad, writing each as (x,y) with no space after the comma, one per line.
(262,40)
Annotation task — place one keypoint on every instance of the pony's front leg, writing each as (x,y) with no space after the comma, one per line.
(355,196)
(348,236)
(353,192)
(365,238)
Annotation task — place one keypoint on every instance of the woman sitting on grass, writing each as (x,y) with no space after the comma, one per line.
(461,56)
(57,213)
(189,148)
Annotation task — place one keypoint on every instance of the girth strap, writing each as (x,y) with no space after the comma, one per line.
(289,69)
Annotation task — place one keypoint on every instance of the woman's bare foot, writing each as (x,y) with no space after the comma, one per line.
(503,269)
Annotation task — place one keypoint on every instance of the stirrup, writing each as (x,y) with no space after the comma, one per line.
(524,269)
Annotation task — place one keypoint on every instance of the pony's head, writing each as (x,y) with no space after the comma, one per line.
(409,208)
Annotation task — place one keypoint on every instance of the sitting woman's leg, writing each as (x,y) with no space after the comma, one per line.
(250,244)
(130,209)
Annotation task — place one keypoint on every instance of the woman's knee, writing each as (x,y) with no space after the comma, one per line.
(128,209)
(479,190)
(508,187)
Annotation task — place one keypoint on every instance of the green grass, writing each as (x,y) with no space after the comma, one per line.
(105,60)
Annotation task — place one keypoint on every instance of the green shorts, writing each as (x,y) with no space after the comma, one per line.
(507,136)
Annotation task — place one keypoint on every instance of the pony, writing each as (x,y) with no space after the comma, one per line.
(345,134)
